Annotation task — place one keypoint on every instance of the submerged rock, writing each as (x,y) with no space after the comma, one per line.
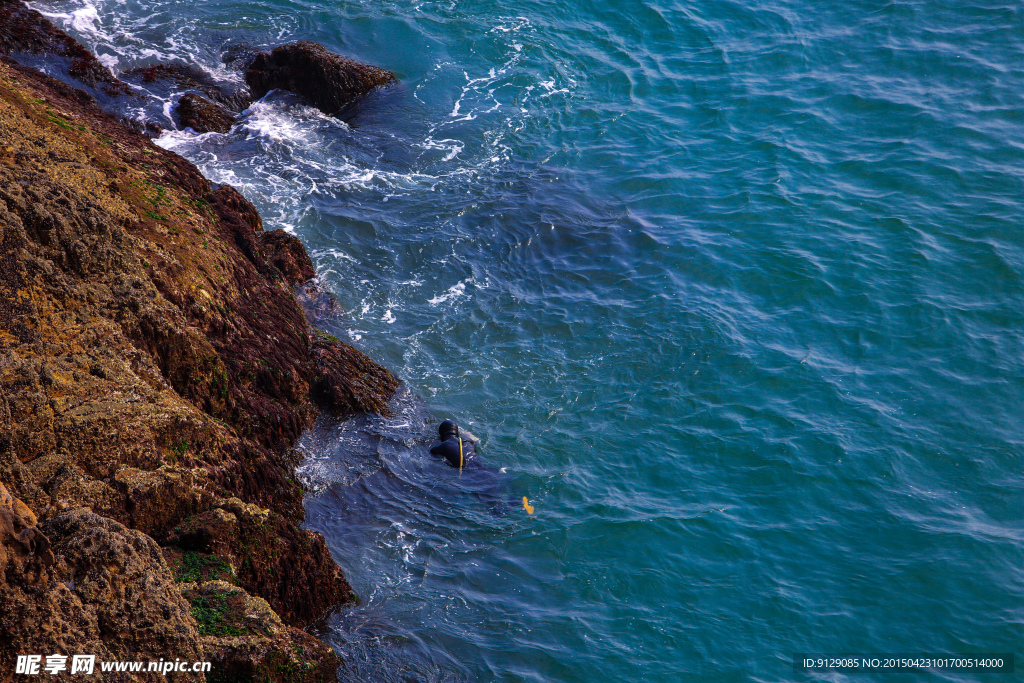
(24,30)
(239,56)
(176,77)
(201,115)
(317,304)
(329,81)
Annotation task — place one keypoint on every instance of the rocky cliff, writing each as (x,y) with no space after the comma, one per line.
(155,371)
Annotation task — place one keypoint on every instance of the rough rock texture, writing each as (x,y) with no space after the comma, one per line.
(262,547)
(24,30)
(179,77)
(345,379)
(84,584)
(331,82)
(155,370)
(285,253)
(201,115)
(244,638)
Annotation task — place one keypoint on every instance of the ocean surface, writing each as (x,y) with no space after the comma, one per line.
(731,291)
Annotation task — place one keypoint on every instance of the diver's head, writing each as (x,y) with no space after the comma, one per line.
(447,428)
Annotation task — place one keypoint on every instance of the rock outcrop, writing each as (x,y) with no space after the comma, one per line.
(24,30)
(243,638)
(155,371)
(201,115)
(84,584)
(329,81)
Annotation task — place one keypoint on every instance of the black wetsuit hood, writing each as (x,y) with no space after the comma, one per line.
(447,428)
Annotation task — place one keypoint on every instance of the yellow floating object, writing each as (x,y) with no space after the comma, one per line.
(527,506)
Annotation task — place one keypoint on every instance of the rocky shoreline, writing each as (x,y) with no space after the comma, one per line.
(156,370)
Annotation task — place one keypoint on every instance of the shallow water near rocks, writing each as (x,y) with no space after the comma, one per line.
(733,291)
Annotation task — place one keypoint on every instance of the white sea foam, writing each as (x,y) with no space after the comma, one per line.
(287,162)
(49,15)
(453,292)
(85,19)
(295,124)
(450,147)
(511,25)
(333,254)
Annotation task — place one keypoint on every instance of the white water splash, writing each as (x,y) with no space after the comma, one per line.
(453,292)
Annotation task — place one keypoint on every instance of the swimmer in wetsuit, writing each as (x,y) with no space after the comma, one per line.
(489,484)
(455,448)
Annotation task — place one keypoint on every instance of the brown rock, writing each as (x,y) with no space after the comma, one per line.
(185,76)
(246,641)
(214,532)
(262,546)
(22,547)
(155,370)
(347,381)
(329,81)
(91,586)
(24,30)
(201,115)
(154,502)
(286,253)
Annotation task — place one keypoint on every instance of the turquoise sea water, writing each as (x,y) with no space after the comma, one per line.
(733,291)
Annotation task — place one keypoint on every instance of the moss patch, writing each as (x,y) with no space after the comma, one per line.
(190,566)
(218,613)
